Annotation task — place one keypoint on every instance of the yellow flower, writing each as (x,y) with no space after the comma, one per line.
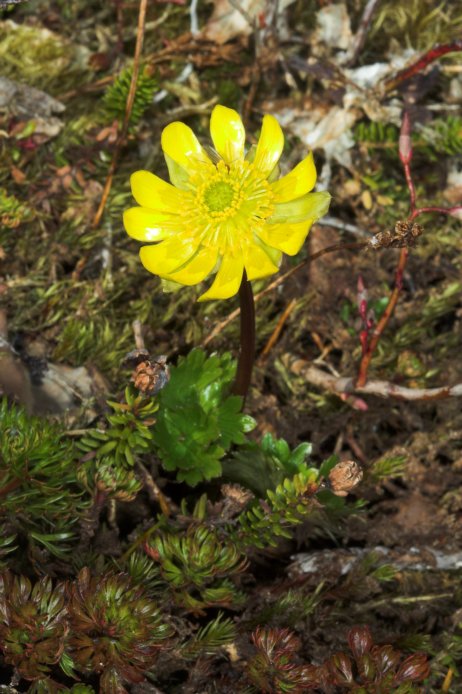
(226,212)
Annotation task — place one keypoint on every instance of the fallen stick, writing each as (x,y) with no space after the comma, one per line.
(341,385)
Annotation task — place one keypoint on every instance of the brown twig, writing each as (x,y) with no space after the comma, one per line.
(88,88)
(277,282)
(153,490)
(384,389)
(138,334)
(278,329)
(120,25)
(128,110)
(360,37)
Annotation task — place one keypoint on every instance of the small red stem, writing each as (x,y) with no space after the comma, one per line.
(411,187)
(383,322)
(436,210)
(422,62)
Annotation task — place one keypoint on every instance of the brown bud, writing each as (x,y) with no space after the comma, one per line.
(405,141)
(366,667)
(414,669)
(360,640)
(341,668)
(344,477)
(386,658)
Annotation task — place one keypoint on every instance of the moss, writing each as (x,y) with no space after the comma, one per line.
(39,57)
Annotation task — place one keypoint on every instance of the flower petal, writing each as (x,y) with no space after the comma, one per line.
(288,238)
(297,183)
(197,268)
(227,133)
(166,257)
(143,224)
(257,263)
(151,191)
(181,145)
(227,281)
(178,176)
(311,206)
(270,145)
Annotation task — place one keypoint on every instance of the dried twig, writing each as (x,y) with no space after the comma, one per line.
(138,334)
(278,329)
(335,223)
(360,37)
(384,389)
(128,110)
(282,278)
(153,490)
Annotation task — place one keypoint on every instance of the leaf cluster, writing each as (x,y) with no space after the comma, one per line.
(440,137)
(198,566)
(115,97)
(367,669)
(12,211)
(112,453)
(265,464)
(40,496)
(198,420)
(292,502)
(103,625)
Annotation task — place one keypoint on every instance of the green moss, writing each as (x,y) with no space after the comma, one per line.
(39,57)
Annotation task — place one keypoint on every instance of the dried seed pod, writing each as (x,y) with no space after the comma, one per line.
(344,477)
(150,377)
(235,498)
(403,236)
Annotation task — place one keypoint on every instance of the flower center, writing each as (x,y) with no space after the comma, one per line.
(219,196)
(229,204)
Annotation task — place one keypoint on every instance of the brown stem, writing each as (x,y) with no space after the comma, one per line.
(383,322)
(128,111)
(345,387)
(11,486)
(89,522)
(247,352)
(360,37)
(277,330)
(153,490)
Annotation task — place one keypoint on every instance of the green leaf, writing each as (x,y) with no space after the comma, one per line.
(198,421)
(262,466)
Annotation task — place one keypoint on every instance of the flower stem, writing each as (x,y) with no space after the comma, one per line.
(247,352)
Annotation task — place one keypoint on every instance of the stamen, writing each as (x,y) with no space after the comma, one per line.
(229,204)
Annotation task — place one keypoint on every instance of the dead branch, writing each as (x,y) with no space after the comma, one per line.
(341,385)
(355,245)
(128,111)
